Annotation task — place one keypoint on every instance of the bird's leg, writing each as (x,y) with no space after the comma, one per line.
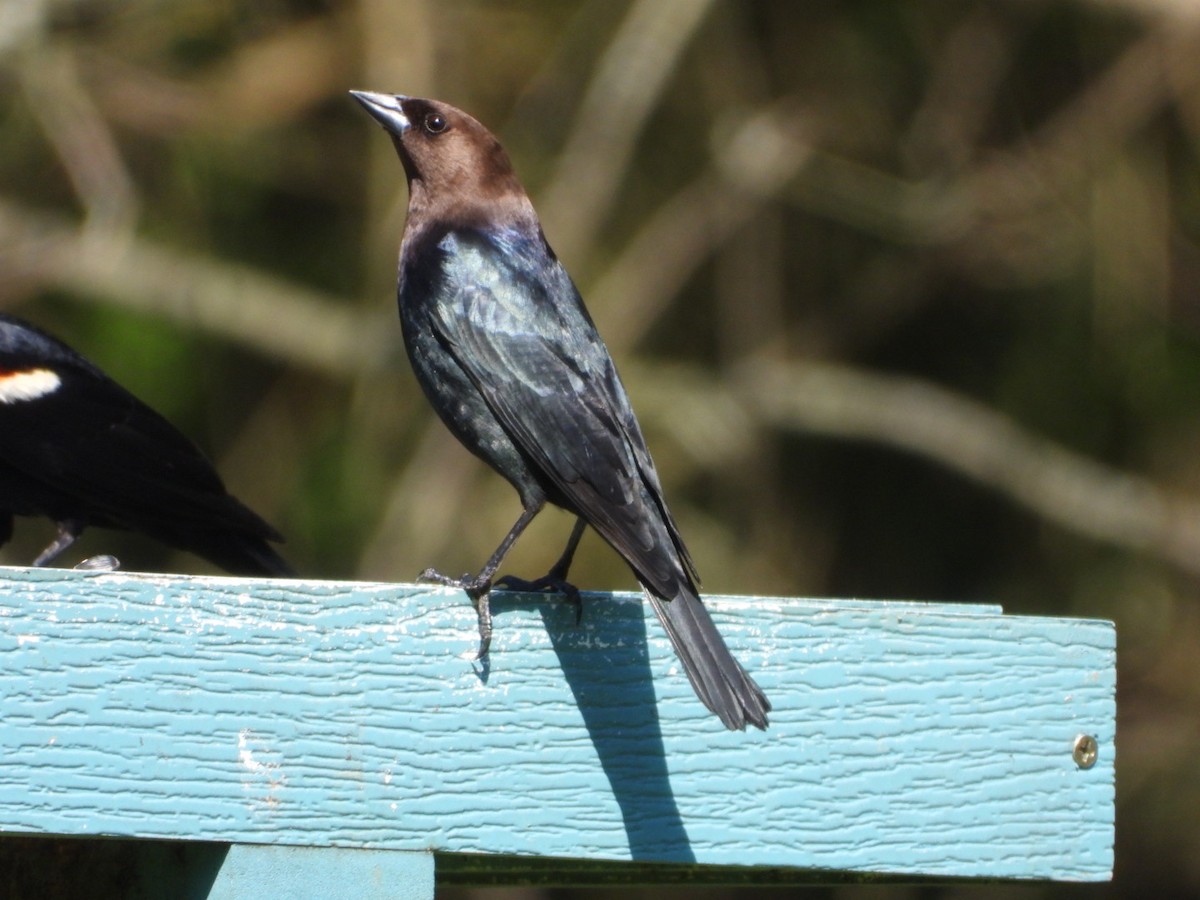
(556,578)
(68,531)
(479,586)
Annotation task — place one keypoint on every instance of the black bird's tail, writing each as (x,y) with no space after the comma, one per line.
(246,556)
(219,528)
(718,679)
(236,553)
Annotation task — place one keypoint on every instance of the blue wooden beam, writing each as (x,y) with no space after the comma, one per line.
(908,740)
(256,872)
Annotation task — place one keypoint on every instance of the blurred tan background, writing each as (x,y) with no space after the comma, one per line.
(906,294)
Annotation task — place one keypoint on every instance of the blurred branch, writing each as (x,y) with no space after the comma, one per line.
(294,324)
(81,138)
(714,422)
(627,85)
(1185,11)
(1000,213)
(264,83)
(272,81)
(973,440)
(1102,118)
(21,20)
(424,505)
(960,95)
(752,166)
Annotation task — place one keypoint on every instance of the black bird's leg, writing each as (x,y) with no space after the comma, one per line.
(479,586)
(556,578)
(68,531)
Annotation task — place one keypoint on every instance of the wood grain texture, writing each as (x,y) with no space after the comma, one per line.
(907,739)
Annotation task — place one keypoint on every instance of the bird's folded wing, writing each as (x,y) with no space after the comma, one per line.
(543,370)
(93,439)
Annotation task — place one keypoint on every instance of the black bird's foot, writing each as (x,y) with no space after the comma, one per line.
(477,588)
(551,582)
(473,585)
(105,562)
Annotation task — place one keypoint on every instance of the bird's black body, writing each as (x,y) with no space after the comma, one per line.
(78,448)
(507,354)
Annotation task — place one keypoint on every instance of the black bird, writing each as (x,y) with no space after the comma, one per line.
(77,447)
(503,347)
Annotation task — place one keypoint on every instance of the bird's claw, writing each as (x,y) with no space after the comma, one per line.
(549,583)
(477,589)
(472,585)
(483,609)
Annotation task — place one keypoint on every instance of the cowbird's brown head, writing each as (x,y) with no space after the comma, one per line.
(457,171)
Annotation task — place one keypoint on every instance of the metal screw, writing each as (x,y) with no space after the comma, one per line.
(1085,751)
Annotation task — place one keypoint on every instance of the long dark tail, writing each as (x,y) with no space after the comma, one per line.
(258,559)
(718,679)
(238,554)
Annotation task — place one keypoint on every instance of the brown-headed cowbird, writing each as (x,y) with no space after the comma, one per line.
(77,447)
(503,347)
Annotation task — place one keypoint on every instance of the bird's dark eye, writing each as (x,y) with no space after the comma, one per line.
(435,123)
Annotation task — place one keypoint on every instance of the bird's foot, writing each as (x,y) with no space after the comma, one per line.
(105,562)
(478,589)
(551,582)
(473,585)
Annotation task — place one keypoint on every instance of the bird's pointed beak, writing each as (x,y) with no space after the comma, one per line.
(386,109)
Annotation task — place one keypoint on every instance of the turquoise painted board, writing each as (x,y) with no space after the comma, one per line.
(251,872)
(907,739)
